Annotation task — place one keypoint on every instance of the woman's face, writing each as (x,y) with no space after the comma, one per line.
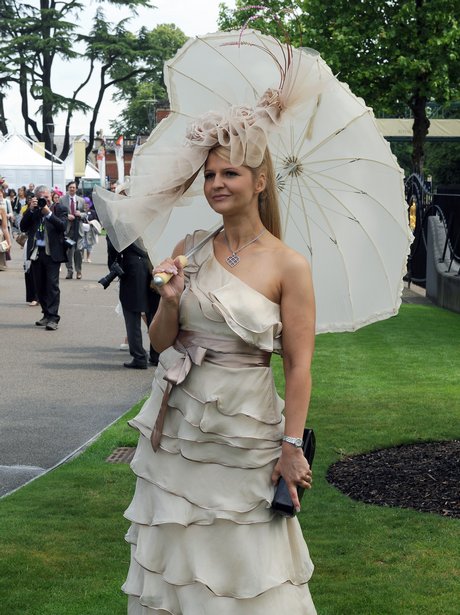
(229,189)
(21,193)
(55,197)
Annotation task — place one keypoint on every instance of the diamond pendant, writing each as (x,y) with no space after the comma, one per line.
(233,260)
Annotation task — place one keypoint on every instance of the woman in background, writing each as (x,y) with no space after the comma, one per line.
(4,232)
(90,236)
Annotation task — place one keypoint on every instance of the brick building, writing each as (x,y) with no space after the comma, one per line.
(129,145)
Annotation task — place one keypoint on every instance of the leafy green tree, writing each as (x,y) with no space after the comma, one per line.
(395,54)
(443,162)
(33,37)
(143,94)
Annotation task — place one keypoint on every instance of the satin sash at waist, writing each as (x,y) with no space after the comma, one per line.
(197,347)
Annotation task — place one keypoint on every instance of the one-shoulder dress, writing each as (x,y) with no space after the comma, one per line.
(204,540)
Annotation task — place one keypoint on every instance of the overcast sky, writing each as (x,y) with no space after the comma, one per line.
(193,17)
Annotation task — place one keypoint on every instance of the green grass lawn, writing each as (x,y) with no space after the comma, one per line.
(61,537)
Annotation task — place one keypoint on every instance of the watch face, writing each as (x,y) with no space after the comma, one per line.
(295,441)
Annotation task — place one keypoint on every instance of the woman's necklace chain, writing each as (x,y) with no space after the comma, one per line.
(234,259)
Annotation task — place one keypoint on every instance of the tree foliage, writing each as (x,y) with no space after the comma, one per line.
(33,36)
(395,54)
(143,94)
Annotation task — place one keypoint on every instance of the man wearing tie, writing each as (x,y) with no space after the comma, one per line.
(77,215)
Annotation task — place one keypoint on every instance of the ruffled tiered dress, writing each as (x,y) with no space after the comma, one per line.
(204,540)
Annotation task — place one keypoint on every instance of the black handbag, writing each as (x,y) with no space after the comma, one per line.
(282,502)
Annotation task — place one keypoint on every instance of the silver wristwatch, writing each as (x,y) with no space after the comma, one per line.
(297,442)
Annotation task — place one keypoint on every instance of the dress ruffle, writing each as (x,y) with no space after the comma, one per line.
(156,596)
(185,555)
(203,537)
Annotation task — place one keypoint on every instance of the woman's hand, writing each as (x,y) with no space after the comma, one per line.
(175,287)
(294,468)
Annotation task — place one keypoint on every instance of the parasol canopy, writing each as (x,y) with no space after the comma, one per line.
(341,189)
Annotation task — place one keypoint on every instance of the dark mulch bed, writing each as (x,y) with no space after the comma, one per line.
(423,476)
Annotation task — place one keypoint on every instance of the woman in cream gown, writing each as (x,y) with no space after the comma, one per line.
(204,540)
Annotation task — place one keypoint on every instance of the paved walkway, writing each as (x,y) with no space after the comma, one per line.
(415,294)
(60,388)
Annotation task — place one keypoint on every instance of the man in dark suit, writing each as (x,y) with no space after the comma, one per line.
(77,216)
(136,298)
(46,251)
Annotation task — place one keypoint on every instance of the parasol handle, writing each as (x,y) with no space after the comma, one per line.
(160,279)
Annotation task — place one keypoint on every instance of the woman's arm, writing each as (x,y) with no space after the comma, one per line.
(298,318)
(165,325)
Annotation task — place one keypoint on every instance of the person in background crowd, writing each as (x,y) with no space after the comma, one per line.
(75,206)
(26,204)
(4,234)
(31,293)
(136,298)
(4,196)
(31,190)
(8,215)
(124,344)
(45,249)
(12,205)
(90,235)
(20,202)
(55,198)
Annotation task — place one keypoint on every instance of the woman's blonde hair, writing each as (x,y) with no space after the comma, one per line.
(268,199)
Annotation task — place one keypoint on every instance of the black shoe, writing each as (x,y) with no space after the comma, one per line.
(153,362)
(42,322)
(135,365)
(52,325)
(69,276)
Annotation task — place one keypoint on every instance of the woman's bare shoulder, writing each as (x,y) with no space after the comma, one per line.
(288,259)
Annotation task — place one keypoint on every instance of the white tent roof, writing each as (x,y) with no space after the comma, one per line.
(20,164)
(91,172)
(16,151)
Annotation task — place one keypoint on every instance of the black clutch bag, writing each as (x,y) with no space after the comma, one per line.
(282,501)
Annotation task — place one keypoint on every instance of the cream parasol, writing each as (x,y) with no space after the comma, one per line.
(341,189)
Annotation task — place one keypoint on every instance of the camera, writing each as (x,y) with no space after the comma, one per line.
(69,243)
(115,272)
(41,203)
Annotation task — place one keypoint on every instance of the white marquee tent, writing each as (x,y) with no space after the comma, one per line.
(20,164)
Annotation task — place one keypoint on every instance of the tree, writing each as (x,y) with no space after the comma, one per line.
(395,54)
(143,95)
(32,37)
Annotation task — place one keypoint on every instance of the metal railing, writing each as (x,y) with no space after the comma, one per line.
(419,198)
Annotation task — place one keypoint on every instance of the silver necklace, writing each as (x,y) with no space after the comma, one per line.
(234,259)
